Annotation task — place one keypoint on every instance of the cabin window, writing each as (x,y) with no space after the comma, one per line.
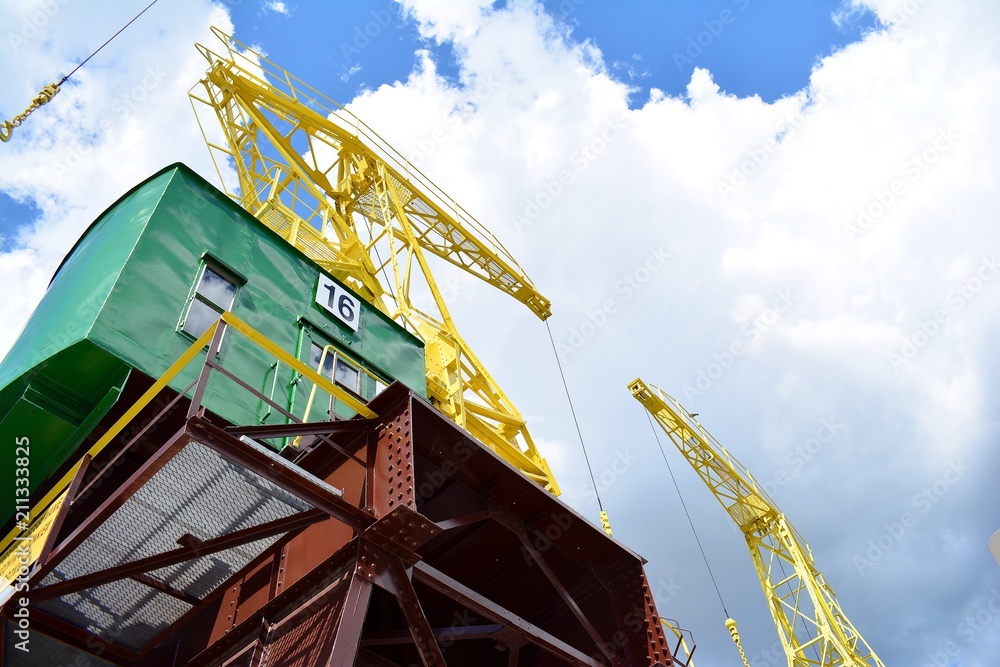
(347,376)
(345,372)
(336,368)
(315,355)
(214,295)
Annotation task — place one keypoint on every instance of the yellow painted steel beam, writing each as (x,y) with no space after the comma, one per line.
(277,352)
(49,503)
(811,625)
(684,654)
(331,186)
(43,512)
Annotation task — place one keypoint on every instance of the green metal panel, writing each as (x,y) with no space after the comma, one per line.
(118,302)
(56,405)
(54,384)
(78,291)
(194,223)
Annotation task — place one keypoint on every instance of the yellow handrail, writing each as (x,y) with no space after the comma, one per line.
(327,386)
(337,354)
(43,509)
(112,432)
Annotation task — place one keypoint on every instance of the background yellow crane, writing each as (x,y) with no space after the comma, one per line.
(317,175)
(811,625)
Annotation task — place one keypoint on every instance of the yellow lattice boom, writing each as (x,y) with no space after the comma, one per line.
(326,182)
(813,629)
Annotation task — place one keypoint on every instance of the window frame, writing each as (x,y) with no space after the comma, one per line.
(313,354)
(195,295)
(336,358)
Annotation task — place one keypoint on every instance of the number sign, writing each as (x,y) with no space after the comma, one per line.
(344,305)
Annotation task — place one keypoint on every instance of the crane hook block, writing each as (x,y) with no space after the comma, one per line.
(731,626)
(605,523)
(43,97)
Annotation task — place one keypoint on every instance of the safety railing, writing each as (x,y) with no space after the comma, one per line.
(31,538)
(691,427)
(335,355)
(683,652)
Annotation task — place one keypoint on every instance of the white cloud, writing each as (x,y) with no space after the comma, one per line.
(124,115)
(277,7)
(346,76)
(536,138)
(910,103)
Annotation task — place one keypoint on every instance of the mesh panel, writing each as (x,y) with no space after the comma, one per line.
(124,612)
(43,650)
(309,240)
(198,492)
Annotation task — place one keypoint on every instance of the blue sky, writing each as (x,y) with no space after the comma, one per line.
(753,47)
(13,214)
(870,201)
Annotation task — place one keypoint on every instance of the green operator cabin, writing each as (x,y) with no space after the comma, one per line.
(144,281)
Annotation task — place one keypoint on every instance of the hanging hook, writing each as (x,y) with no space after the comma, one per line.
(731,626)
(606,523)
(43,97)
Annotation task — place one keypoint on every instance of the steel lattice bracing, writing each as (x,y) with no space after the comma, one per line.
(811,625)
(390,539)
(326,182)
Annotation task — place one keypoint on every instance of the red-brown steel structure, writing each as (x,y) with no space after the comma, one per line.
(391,541)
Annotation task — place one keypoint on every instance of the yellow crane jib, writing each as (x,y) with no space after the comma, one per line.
(43,97)
(331,186)
(813,628)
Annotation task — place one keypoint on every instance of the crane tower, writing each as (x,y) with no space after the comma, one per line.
(813,629)
(331,186)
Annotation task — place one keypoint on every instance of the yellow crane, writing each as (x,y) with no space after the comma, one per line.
(813,629)
(331,186)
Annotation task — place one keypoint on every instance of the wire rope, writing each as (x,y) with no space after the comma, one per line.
(576,421)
